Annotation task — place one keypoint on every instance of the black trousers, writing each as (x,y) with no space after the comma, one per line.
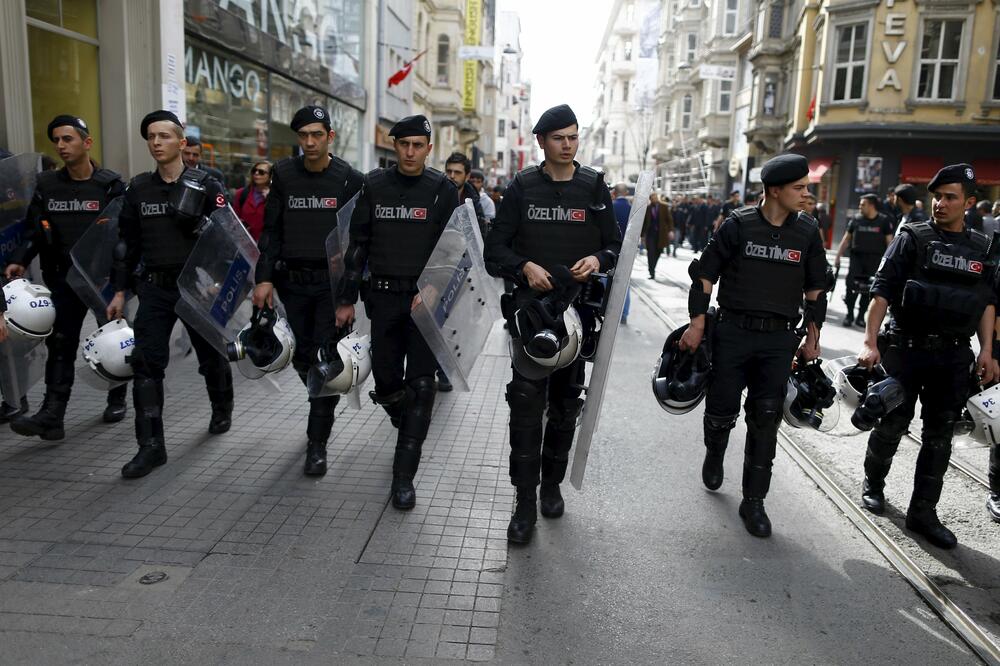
(940,379)
(399,353)
(538,454)
(64,341)
(761,363)
(652,254)
(154,322)
(863,267)
(312,316)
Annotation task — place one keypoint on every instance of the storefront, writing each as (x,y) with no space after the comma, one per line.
(244,82)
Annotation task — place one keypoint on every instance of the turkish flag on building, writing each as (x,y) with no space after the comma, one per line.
(398,77)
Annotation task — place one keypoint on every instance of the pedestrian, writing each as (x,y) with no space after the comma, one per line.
(867,236)
(250,199)
(985,210)
(307,190)
(192,159)
(159,235)
(658,231)
(823,220)
(699,223)
(528,247)
(485,202)
(682,214)
(395,227)
(906,202)
(934,307)
(622,208)
(973,219)
(65,203)
(765,259)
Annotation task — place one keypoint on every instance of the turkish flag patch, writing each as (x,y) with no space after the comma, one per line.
(975,267)
(419,213)
(330,202)
(794,255)
(578,214)
(220,201)
(92,205)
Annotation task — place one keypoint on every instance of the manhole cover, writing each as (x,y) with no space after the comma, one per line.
(153,577)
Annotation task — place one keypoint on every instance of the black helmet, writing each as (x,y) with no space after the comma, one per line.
(879,399)
(680,379)
(810,401)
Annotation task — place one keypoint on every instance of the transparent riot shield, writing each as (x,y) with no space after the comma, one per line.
(17,185)
(22,365)
(216,282)
(92,256)
(600,373)
(458,303)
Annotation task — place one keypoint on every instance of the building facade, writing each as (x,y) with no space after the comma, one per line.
(514,143)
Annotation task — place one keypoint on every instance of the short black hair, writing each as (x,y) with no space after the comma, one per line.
(192,141)
(873,198)
(459,158)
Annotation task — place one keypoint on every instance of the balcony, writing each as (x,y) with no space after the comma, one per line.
(624,29)
(623,68)
(766,132)
(714,131)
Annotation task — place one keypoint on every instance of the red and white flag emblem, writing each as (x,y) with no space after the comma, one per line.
(578,214)
(794,255)
(330,202)
(419,213)
(92,205)
(975,267)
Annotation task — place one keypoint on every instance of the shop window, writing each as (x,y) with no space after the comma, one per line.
(730,14)
(79,16)
(443,56)
(940,47)
(850,62)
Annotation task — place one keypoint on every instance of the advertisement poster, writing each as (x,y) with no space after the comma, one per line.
(869,174)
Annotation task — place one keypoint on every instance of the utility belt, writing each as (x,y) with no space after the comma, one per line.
(752,323)
(165,278)
(925,342)
(393,284)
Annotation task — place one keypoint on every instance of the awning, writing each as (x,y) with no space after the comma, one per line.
(918,168)
(818,167)
(987,172)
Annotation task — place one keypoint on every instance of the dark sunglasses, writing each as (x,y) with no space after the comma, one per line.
(260,172)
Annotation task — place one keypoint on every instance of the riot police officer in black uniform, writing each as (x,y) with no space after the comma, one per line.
(764,258)
(555,214)
(65,204)
(867,236)
(396,224)
(157,226)
(301,211)
(936,282)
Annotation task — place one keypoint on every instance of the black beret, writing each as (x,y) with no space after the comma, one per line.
(308,115)
(907,193)
(953,173)
(411,126)
(555,118)
(784,169)
(157,116)
(67,121)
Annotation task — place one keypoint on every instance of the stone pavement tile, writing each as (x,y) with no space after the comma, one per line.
(451,650)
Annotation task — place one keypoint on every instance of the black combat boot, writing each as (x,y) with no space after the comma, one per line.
(115,411)
(878,461)
(414,422)
(932,463)
(522,522)
(147,396)
(443,383)
(47,423)
(993,501)
(9,411)
(321,411)
(219,383)
(763,417)
(556,444)
(848,320)
(922,518)
(716,440)
(405,463)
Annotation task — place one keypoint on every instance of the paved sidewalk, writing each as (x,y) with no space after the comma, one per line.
(262,563)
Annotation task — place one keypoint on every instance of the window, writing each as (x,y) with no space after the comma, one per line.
(687,105)
(614,142)
(499,158)
(625,90)
(694,3)
(444,55)
(725,96)
(730,13)
(666,122)
(940,46)
(628,49)
(630,13)
(692,47)
(850,61)
(502,127)
(996,73)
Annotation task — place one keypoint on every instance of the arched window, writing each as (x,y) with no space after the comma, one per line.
(444,55)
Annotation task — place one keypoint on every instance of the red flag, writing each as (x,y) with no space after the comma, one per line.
(398,77)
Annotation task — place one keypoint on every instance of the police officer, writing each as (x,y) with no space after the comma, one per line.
(867,235)
(301,211)
(555,214)
(158,223)
(396,224)
(936,284)
(64,205)
(764,258)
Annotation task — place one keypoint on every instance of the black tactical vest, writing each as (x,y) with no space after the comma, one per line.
(768,272)
(311,202)
(951,282)
(166,243)
(404,222)
(868,236)
(558,222)
(70,206)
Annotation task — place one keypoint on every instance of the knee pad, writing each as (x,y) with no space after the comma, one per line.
(323,407)
(418,407)
(526,403)
(764,414)
(713,422)
(939,429)
(562,413)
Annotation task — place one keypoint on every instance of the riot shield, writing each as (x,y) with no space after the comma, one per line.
(216,282)
(458,303)
(17,185)
(599,375)
(22,365)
